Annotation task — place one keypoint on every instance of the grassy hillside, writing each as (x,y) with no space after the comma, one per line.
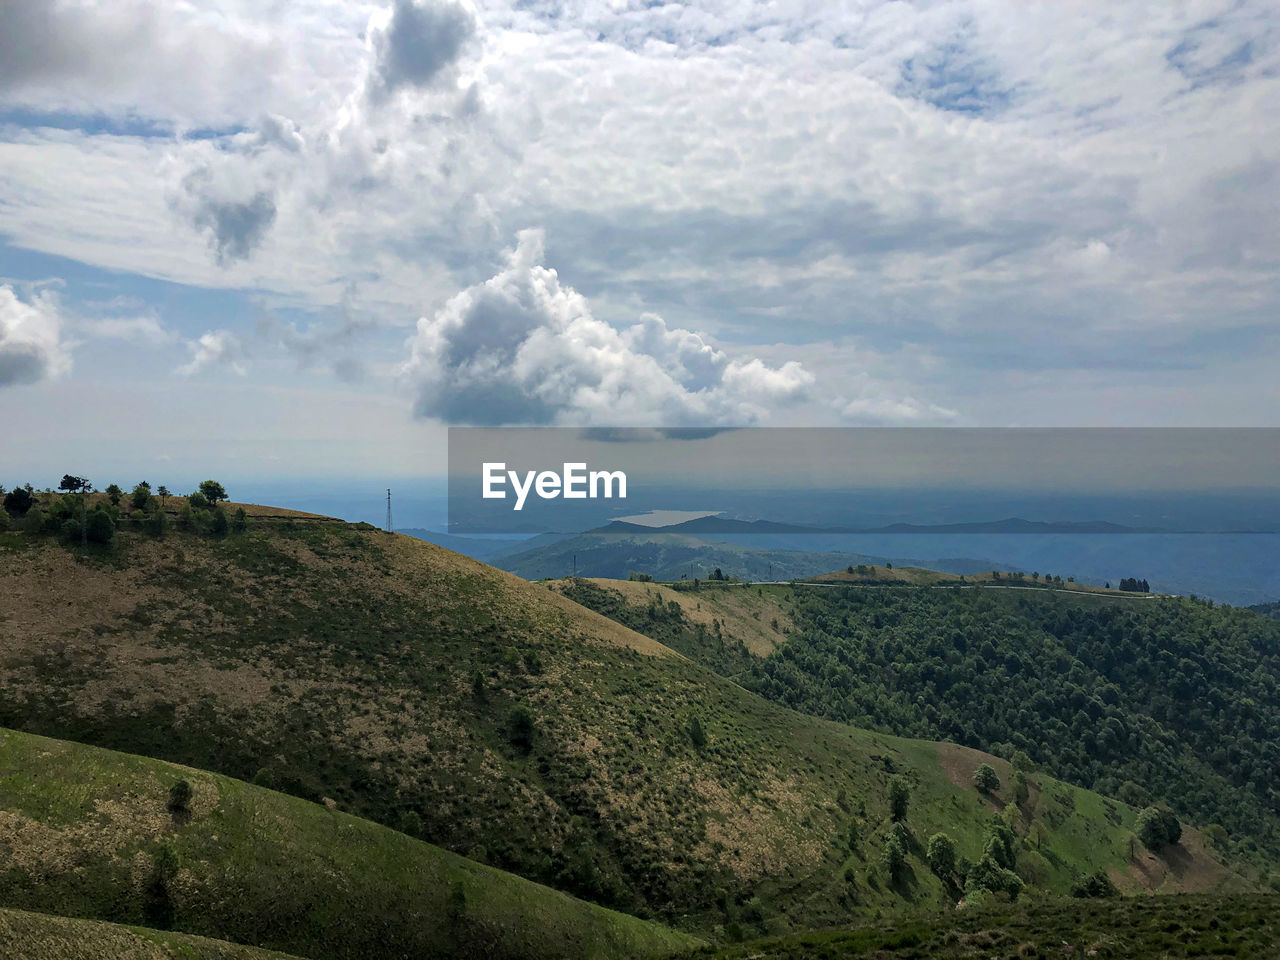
(666,556)
(1151,928)
(89,833)
(38,936)
(499,719)
(1164,698)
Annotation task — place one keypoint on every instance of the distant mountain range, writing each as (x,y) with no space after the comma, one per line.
(717,524)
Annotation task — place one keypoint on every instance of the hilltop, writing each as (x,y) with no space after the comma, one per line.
(93,833)
(500,720)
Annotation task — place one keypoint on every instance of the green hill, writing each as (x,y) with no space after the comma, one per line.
(1149,928)
(498,719)
(91,833)
(38,936)
(1167,699)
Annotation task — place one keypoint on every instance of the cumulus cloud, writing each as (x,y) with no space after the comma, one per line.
(217,348)
(31,348)
(231,194)
(524,348)
(418,44)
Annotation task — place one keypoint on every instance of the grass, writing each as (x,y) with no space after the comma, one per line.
(338,662)
(1144,928)
(86,833)
(37,936)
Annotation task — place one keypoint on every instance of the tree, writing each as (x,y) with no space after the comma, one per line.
(697,735)
(1022,762)
(19,500)
(180,797)
(141,496)
(985,779)
(899,798)
(163,493)
(987,874)
(100,525)
(213,491)
(1096,884)
(893,857)
(941,854)
(1158,828)
(197,500)
(72,484)
(114,493)
(477,686)
(521,726)
(1021,791)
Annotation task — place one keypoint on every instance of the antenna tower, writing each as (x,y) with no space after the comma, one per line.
(389,528)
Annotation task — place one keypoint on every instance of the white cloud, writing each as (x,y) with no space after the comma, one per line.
(523,348)
(217,348)
(145,328)
(31,348)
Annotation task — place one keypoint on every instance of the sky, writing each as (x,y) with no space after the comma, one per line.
(270,240)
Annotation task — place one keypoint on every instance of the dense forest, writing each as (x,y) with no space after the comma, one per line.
(1174,699)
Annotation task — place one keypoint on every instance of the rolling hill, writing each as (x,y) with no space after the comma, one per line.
(92,833)
(1166,698)
(40,936)
(498,719)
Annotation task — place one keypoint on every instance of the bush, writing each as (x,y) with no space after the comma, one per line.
(114,493)
(180,797)
(1158,828)
(141,496)
(987,874)
(899,798)
(197,501)
(985,779)
(697,735)
(33,521)
(893,857)
(1094,885)
(521,727)
(1021,791)
(240,520)
(941,854)
(18,501)
(220,524)
(100,525)
(73,530)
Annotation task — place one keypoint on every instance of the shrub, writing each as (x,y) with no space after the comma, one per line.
(893,857)
(941,854)
(1158,828)
(1094,885)
(219,524)
(240,520)
(100,525)
(141,496)
(697,735)
(987,874)
(1021,791)
(114,493)
(19,500)
(521,727)
(899,798)
(180,797)
(985,779)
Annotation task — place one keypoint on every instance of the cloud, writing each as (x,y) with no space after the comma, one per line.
(418,44)
(231,194)
(145,328)
(31,348)
(523,348)
(217,348)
